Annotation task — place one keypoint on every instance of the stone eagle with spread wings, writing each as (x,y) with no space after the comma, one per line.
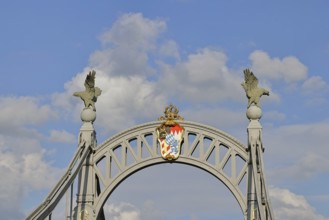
(89,96)
(253,92)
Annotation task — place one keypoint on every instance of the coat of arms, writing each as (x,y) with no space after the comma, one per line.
(170,134)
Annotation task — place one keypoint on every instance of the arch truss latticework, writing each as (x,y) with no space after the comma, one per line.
(203,147)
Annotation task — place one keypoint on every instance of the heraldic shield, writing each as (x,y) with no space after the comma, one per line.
(170,138)
(170,134)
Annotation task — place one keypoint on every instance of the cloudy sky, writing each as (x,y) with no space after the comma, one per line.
(148,54)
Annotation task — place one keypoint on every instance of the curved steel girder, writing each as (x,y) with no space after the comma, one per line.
(106,150)
(154,161)
(189,127)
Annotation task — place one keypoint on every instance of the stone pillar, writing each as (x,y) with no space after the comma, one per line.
(86,189)
(254,130)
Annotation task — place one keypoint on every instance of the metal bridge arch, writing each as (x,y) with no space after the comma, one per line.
(204,147)
(99,169)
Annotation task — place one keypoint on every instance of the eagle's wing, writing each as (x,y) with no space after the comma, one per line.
(98,91)
(251,80)
(90,80)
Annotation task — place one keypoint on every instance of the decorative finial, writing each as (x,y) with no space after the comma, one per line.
(253,92)
(89,96)
(171,114)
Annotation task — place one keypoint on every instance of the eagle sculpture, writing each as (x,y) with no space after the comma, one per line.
(253,92)
(89,96)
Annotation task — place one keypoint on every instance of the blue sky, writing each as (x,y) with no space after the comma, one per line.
(148,54)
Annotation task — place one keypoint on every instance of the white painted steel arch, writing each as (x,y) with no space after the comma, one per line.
(204,147)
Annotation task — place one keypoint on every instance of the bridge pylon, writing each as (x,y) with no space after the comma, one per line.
(86,190)
(258,203)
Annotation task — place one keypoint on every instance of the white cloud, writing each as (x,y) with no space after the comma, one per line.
(122,62)
(24,110)
(124,210)
(123,71)
(293,72)
(34,166)
(290,206)
(128,96)
(308,166)
(19,112)
(22,165)
(315,85)
(203,77)
(127,44)
(121,211)
(62,136)
(21,175)
(316,90)
(134,30)
(20,144)
(296,152)
(289,68)
(314,82)
(170,49)
(128,100)
(124,100)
